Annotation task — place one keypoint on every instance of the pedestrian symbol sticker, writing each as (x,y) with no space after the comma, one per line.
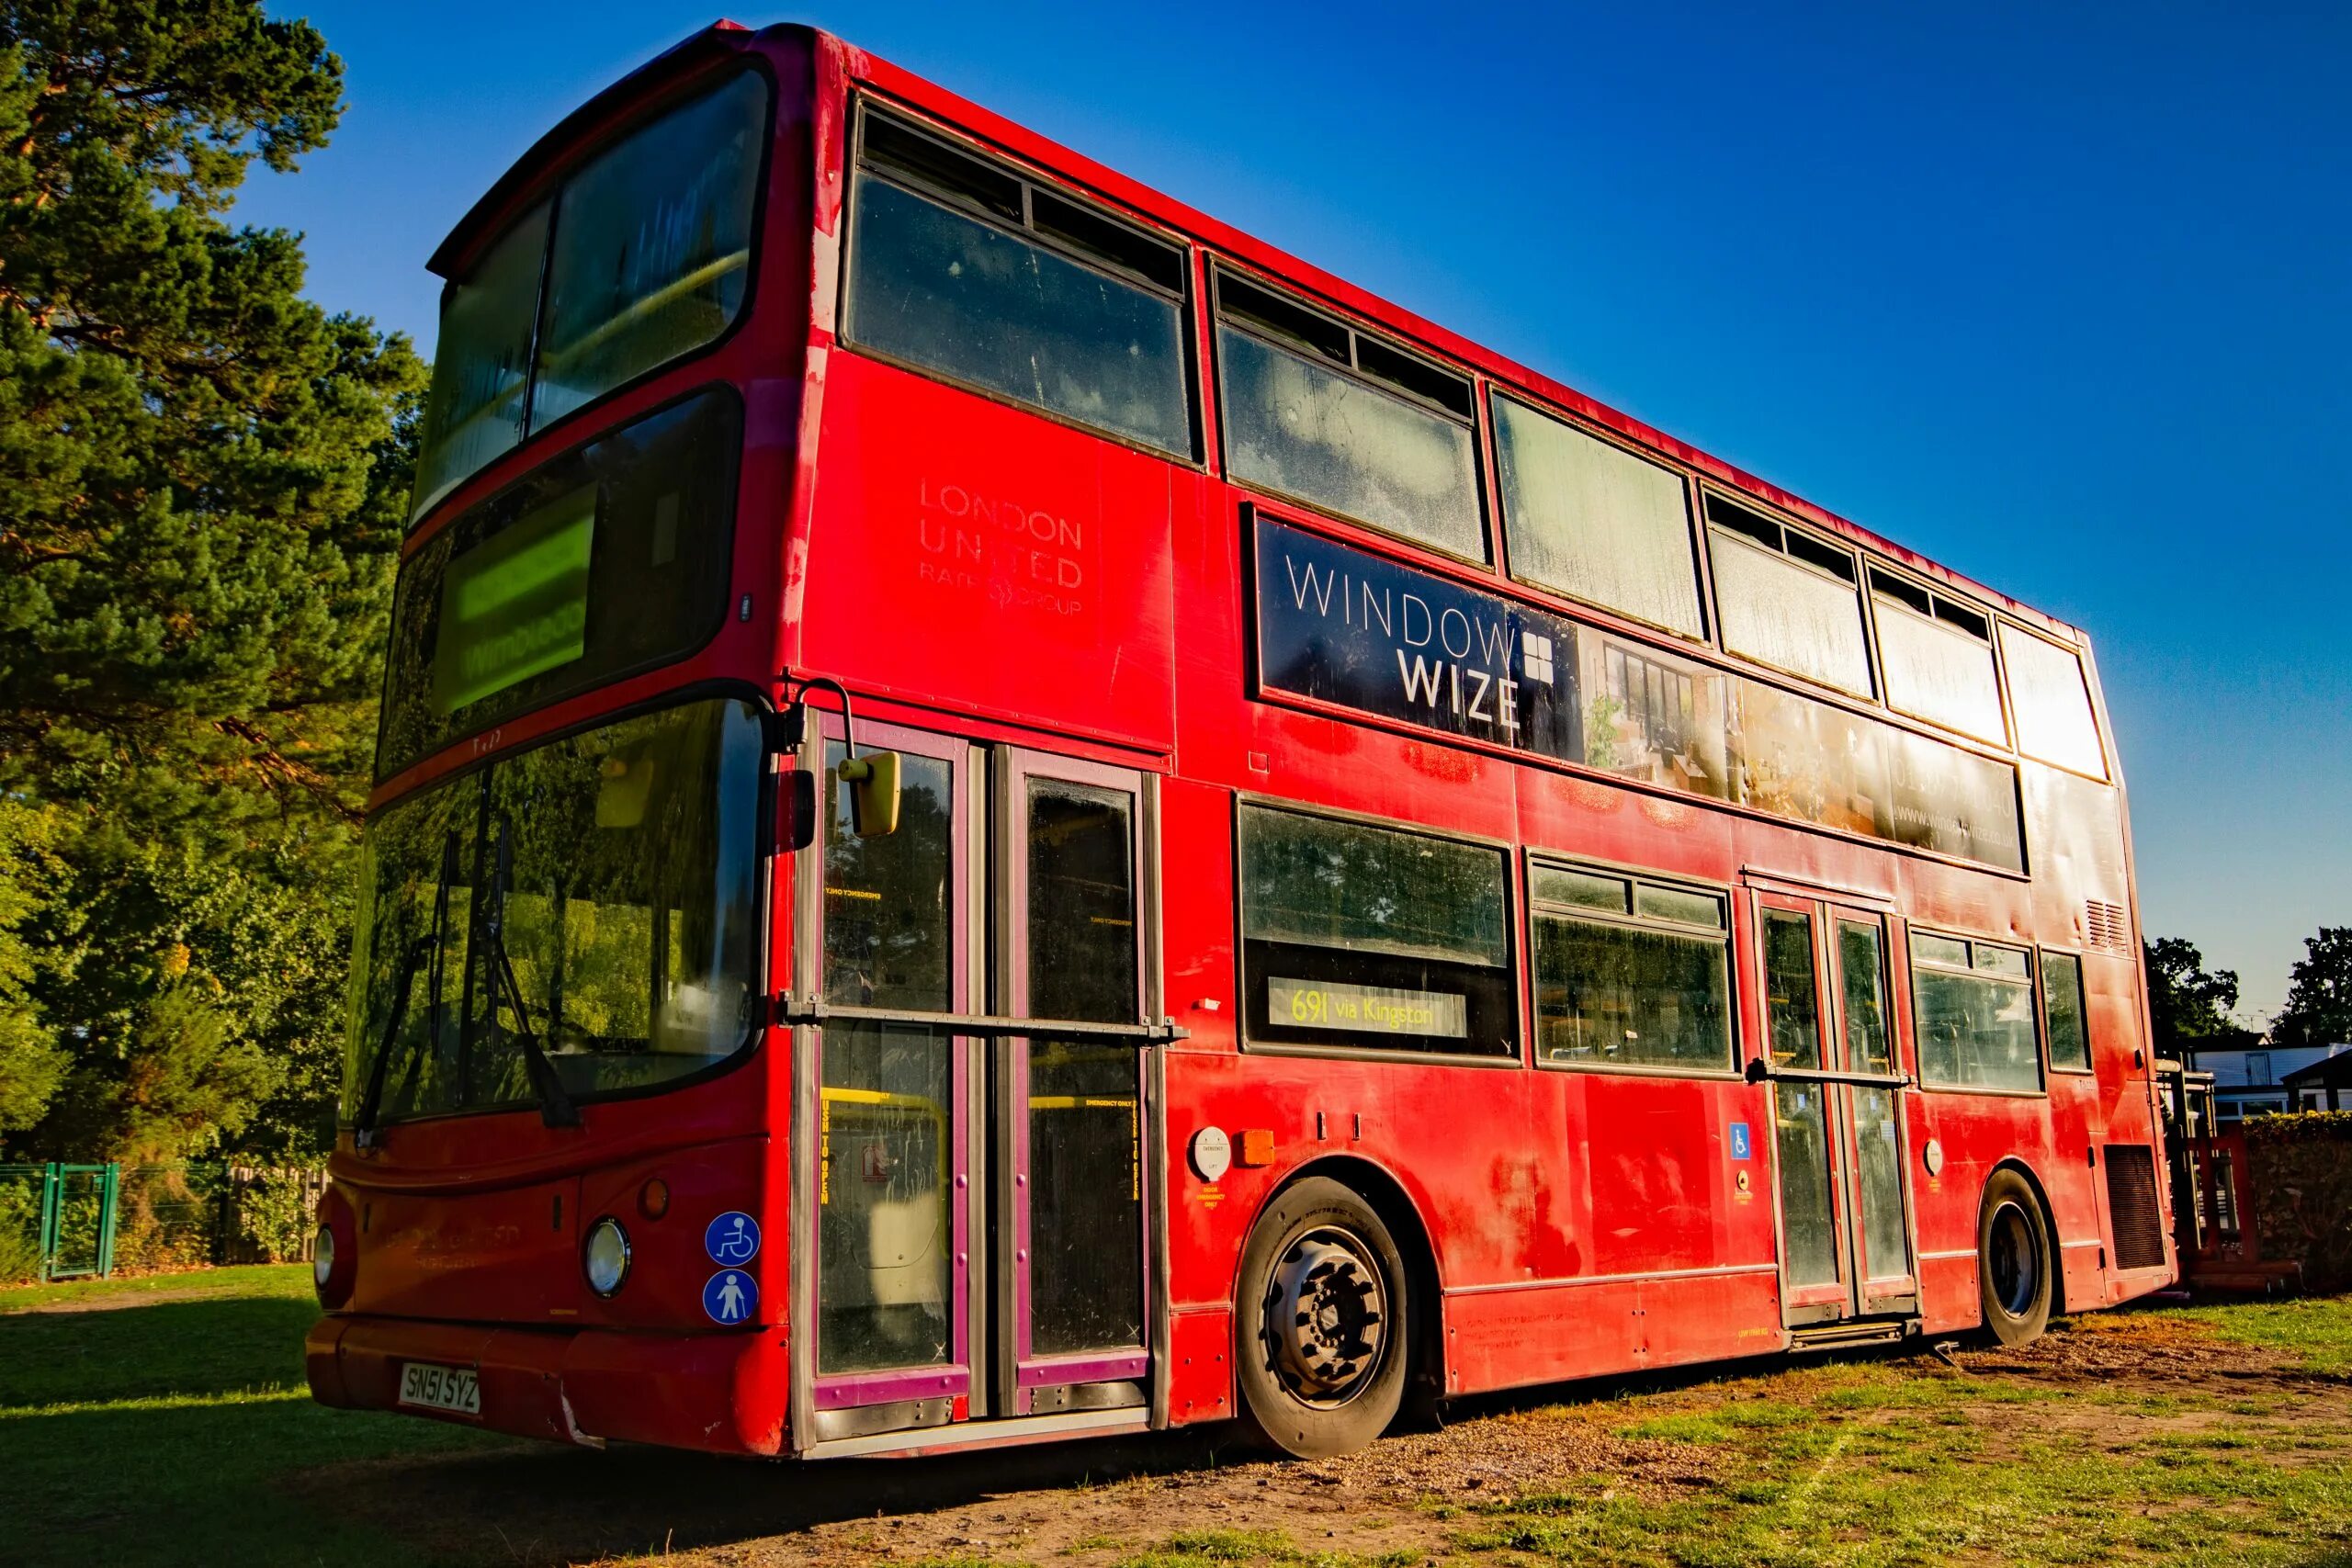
(733,1237)
(1739,1140)
(730,1296)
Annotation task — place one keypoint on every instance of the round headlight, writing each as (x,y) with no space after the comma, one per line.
(604,1258)
(323,1257)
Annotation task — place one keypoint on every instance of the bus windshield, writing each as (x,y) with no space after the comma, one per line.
(596,891)
(643,254)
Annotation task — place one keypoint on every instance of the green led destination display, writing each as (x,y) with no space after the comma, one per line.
(517,604)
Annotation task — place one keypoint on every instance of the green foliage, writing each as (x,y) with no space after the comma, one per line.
(2190,1007)
(32,1064)
(20,1226)
(2318,1010)
(275,1210)
(201,477)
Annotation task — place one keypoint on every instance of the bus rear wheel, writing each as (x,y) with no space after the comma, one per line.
(2013,1260)
(1322,1322)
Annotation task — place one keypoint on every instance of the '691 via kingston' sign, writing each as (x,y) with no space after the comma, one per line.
(1350,629)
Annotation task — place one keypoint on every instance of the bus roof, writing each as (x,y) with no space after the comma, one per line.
(724,38)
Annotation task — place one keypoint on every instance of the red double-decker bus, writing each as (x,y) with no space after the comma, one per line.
(1005,813)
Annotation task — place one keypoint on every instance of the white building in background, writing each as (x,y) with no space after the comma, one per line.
(2246,1078)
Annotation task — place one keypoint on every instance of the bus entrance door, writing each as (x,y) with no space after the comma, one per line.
(969,1127)
(1837,1100)
(1067,1142)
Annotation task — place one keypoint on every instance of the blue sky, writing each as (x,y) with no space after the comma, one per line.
(2059,296)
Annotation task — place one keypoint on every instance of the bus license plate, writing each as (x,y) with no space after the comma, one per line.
(440,1388)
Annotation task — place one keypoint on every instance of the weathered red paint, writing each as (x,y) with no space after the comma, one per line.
(970,569)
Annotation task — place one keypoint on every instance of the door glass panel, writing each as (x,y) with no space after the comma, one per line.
(1878,1160)
(1861,967)
(1802,1111)
(1791,1003)
(1085,1166)
(884,1288)
(1793,1014)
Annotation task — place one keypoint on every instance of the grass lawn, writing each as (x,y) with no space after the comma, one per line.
(150,1421)
(164,1421)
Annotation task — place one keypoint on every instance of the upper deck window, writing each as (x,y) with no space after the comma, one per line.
(1595,521)
(643,256)
(1787,598)
(605,560)
(963,267)
(2052,702)
(1318,411)
(1937,657)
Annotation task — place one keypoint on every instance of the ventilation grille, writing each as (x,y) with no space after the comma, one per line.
(2131,1206)
(2105,926)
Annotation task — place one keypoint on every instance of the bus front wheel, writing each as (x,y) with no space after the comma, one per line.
(2013,1260)
(1322,1328)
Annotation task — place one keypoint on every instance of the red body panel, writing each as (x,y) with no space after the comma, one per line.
(974,569)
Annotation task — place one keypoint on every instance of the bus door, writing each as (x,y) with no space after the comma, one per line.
(1837,1099)
(1066,1108)
(968,1107)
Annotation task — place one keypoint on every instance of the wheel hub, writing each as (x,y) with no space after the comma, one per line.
(1327,1317)
(2016,1261)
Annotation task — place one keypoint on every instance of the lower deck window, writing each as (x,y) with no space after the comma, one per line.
(1973,1007)
(1629,973)
(1354,935)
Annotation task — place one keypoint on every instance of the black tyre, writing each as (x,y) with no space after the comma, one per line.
(2015,1274)
(1323,1330)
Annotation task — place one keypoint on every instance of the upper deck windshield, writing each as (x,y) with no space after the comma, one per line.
(642,255)
(610,875)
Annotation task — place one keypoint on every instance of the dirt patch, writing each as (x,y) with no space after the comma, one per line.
(1089,1505)
(117,1301)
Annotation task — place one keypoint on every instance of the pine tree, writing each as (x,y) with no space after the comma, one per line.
(200,474)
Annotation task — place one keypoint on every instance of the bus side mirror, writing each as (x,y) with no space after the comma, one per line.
(872,782)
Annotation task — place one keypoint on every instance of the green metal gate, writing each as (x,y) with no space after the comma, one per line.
(74,1217)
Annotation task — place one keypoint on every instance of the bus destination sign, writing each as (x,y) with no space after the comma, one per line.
(1346,627)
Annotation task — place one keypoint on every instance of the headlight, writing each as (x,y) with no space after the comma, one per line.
(604,1258)
(323,1257)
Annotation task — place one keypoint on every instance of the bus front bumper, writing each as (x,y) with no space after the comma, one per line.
(719,1392)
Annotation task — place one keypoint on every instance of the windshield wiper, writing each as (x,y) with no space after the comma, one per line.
(363,1120)
(555,1109)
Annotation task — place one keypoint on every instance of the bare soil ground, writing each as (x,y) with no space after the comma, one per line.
(2141,1376)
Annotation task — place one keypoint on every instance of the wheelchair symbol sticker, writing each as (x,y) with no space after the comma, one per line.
(1739,1147)
(729,1296)
(733,1237)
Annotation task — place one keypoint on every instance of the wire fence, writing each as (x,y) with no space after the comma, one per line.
(62,1222)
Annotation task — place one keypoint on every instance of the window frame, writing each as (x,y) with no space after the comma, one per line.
(724,392)
(2032,982)
(549,190)
(1534,859)
(2089,1070)
(1693,520)
(1876,567)
(1483,476)
(866,105)
(1509,969)
(1873,694)
(2105,775)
